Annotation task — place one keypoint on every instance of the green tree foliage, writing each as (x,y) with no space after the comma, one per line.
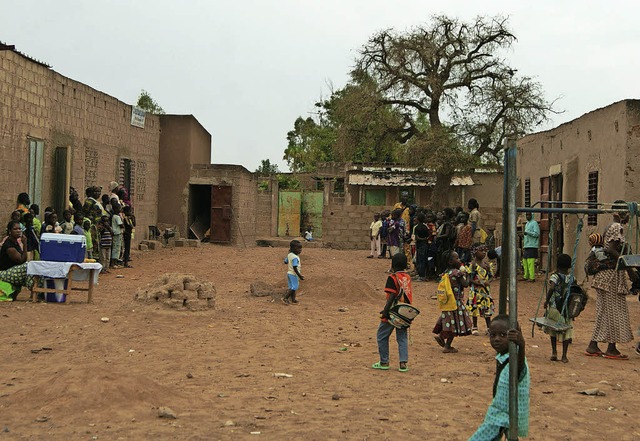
(148,104)
(267,168)
(309,142)
(452,74)
(351,125)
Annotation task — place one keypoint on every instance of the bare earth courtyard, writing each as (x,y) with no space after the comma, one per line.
(67,375)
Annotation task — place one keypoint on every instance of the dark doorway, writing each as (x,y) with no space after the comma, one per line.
(221,213)
(199,210)
(61,179)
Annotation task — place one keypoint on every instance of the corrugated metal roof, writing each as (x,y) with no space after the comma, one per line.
(395,180)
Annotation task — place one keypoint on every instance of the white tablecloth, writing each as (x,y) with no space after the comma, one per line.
(60,270)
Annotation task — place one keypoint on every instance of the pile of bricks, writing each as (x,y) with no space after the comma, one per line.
(147,245)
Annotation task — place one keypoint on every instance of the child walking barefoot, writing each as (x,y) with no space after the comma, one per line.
(293,271)
(397,288)
(454,322)
(480,303)
(554,304)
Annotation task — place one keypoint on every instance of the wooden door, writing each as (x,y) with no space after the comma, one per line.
(221,213)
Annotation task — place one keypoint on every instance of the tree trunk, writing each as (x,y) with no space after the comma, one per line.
(440,194)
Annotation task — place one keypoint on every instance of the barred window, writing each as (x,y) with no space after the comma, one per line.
(527,192)
(592,197)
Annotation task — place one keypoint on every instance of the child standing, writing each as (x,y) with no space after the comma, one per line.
(308,234)
(78,219)
(554,304)
(116,229)
(395,232)
(421,234)
(496,421)
(384,233)
(374,236)
(456,322)
(293,271)
(87,227)
(127,235)
(51,223)
(106,241)
(397,288)
(33,244)
(480,303)
(67,225)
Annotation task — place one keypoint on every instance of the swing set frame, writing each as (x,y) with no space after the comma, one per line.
(508,270)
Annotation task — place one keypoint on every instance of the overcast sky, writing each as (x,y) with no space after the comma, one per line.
(247,68)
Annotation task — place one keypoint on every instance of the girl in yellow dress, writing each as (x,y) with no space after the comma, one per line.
(480,302)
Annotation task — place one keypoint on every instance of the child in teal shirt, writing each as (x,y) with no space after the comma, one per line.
(496,421)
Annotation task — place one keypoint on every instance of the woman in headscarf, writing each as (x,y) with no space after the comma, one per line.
(612,323)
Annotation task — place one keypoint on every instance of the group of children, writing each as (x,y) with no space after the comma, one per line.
(108,226)
(424,236)
(460,319)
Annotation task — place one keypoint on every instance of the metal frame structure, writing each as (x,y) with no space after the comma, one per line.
(508,292)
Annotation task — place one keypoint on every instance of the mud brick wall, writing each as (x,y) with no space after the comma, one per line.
(244,196)
(347,226)
(37,103)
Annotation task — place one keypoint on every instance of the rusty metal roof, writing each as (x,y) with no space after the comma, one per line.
(403,180)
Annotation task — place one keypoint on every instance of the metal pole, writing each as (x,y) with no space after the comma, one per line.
(505,248)
(513,298)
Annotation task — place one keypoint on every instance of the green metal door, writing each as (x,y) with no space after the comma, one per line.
(312,212)
(376,196)
(289,209)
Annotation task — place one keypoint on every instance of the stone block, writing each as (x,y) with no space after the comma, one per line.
(179,243)
(154,245)
(143,247)
(193,243)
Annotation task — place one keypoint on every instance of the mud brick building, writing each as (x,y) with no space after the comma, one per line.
(56,132)
(593,159)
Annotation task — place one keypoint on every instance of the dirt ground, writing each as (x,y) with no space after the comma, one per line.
(215,369)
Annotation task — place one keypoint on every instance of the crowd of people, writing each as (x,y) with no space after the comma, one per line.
(105,220)
(426,237)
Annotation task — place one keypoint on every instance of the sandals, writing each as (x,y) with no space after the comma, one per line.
(616,356)
(380,366)
(403,369)
(474,331)
(593,354)
(450,351)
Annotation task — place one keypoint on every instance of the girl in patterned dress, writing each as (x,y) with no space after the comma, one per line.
(455,323)
(480,303)
(554,304)
(612,323)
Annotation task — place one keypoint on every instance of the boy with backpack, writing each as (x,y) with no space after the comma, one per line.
(397,289)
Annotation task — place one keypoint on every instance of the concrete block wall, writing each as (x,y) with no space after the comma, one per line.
(263,213)
(39,103)
(347,226)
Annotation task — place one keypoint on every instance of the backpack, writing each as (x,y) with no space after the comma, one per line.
(576,301)
(401,314)
(444,293)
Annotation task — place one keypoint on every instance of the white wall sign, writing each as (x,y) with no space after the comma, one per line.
(137,117)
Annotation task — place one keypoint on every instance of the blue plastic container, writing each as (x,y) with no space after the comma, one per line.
(63,247)
(60,285)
